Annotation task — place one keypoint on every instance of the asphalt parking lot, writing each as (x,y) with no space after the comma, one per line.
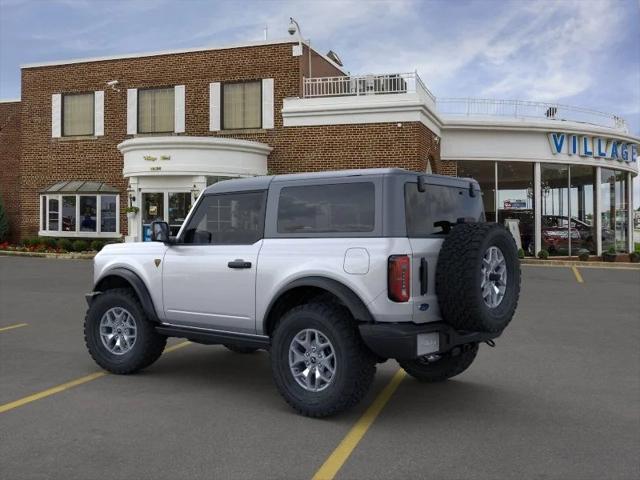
(559,397)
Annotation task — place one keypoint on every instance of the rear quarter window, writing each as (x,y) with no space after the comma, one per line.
(424,210)
(328,208)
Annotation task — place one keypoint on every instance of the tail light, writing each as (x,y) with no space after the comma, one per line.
(399,278)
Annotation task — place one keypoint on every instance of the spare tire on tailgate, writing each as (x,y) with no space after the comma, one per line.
(478,277)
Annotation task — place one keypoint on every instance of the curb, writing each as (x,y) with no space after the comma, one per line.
(577,263)
(61,256)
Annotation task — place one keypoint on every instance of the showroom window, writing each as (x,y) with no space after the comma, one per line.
(485,174)
(80,209)
(242,105)
(78,114)
(156,110)
(614,210)
(515,205)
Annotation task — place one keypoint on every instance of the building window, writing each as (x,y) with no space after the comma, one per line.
(80,215)
(515,205)
(485,174)
(156,110)
(242,105)
(78,114)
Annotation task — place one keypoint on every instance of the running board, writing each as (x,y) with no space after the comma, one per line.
(214,337)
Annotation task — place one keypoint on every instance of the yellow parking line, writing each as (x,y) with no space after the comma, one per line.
(342,452)
(66,386)
(11,327)
(577,274)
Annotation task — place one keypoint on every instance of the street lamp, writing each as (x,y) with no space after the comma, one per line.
(294,28)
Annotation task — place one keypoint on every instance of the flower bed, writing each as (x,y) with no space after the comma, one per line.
(56,246)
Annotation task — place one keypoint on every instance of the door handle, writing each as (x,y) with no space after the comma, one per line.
(239,263)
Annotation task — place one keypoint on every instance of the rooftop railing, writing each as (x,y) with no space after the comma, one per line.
(475,107)
(356,85)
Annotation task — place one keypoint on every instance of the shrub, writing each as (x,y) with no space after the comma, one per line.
(30,242)
(583,254)
(634,257)
(48,242)
(611,250)
(4,223)
(65,244)
(97,245)
(80,246)
(520,253)
(543,254)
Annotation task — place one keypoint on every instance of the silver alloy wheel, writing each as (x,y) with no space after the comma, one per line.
(494,277)
(312,360)
(118,330)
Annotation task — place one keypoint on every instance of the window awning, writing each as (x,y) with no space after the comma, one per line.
(80,186)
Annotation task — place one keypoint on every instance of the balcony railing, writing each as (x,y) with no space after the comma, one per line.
(392,83)
(525,109)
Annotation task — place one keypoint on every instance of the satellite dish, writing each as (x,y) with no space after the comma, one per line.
(333,56)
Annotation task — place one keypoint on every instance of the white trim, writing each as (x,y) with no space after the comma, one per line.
(157,53)
(10,100)
(98,113)
(132,111)
(56,115)
(214,107)
(598,210)
(267,103)
(77,233)
(94,235)
(537,207)
(630,241)
(179,108)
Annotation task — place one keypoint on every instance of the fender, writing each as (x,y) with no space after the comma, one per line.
(351,300)
(136,283)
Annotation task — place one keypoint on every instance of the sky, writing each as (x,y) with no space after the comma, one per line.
(577,52)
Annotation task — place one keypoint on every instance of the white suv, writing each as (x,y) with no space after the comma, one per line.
(331,272)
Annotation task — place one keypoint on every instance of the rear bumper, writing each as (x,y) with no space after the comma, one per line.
(408,340)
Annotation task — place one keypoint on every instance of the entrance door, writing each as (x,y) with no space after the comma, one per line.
(152,210)
(170,207)
(209,276)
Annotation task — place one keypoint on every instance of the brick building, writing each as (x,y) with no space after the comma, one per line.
(91,137)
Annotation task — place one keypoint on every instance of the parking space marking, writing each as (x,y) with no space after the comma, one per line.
(336,460)
(66,386)
(11,327)
(577,274)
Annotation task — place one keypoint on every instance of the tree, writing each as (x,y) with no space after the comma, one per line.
(4,223)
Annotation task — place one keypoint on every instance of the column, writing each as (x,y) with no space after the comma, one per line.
(537,210)
(598,211)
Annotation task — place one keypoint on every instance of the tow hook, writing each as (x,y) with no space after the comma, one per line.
(491,343)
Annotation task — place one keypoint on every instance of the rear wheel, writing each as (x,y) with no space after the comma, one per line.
(319,363)
(118,334)
(436,368)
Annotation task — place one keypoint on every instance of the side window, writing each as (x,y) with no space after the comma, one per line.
(338,208)
(227,219)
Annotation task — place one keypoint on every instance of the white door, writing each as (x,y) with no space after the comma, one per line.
(209,276)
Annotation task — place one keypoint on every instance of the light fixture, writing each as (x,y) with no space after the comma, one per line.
(195,192)
(294,28)
(132,197)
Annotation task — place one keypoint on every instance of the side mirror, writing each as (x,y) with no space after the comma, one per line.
(160,232)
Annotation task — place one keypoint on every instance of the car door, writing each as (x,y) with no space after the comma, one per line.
(209,275)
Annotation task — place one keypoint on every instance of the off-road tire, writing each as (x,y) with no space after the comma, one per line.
(448,366)
(458,277)
(239,349)
(148,346)
(355,365)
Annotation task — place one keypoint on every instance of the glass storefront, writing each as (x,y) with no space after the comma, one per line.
(567,204)
(515,201)
(177,206)
(614,210)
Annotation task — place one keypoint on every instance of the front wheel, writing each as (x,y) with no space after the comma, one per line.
(447,366)
(118,335)
(319,362)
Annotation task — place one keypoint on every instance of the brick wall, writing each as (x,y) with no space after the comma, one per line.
(295,149)
(10,163)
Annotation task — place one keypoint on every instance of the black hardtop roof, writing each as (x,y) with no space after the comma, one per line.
(263,182)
